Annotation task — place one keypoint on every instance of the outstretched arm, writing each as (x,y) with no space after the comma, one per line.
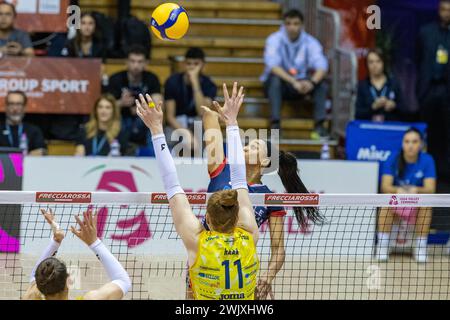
(120,281)
(277,257)
(32,292)
(213,139)
(236,159)
(186,223)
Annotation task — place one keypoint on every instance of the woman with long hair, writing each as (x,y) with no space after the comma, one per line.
(228,250)
(411,171)
(379,96)
(258,154)
(87,42)
(103,130)
(50,279)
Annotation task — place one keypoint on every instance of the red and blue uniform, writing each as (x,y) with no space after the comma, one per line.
(220,180)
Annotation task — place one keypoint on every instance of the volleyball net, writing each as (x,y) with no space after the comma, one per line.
(334,260)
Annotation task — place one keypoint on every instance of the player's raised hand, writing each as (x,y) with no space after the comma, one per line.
(233,103)
(87,231)
(58,234)
(150,113)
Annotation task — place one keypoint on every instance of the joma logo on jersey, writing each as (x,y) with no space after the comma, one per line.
(234,252)
(232,296)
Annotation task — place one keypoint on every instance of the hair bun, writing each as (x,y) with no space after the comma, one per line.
(229,198)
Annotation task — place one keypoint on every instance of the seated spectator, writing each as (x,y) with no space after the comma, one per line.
(103,130)
(87,42)
(185,93)
(379,96)
(290,54)
(126,85)
(15,132)
(13,42)
(410,172)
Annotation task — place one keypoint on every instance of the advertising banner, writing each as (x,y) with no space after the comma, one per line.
(52,85)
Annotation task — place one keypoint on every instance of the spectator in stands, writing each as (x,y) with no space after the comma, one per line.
(379,96)
(13,42)
(127,85)
(103,132)
(433,87)
(409,172)
(87,42)
(15,133)
(295,67)
(185,93)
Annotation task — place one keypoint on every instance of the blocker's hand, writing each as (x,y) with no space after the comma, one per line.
(58,234)
(87,231)
(150,113)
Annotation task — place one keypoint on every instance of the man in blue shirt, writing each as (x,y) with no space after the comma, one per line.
(295,67)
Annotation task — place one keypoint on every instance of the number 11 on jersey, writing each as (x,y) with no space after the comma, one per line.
(237,264)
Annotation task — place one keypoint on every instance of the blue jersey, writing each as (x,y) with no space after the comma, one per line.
(414,173)
(220,180)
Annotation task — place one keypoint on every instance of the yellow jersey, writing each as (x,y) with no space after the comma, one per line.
(226,266)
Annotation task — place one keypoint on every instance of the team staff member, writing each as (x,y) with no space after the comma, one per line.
(411,171)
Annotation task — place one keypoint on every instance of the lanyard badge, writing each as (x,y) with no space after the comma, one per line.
(442,55)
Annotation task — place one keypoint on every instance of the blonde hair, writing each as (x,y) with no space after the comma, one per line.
(223,210)
(113,125)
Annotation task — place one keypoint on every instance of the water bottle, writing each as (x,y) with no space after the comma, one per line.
(325,153)
(23,144)
(114,149)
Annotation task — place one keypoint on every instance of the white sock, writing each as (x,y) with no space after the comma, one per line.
(421,249)
(382,253)
(421,243)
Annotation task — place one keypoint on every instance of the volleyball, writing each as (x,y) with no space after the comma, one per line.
(169,21)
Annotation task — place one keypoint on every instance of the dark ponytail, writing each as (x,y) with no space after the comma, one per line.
(288,172)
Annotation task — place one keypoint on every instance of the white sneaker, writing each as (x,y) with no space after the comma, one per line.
(420,255)
(382,254)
